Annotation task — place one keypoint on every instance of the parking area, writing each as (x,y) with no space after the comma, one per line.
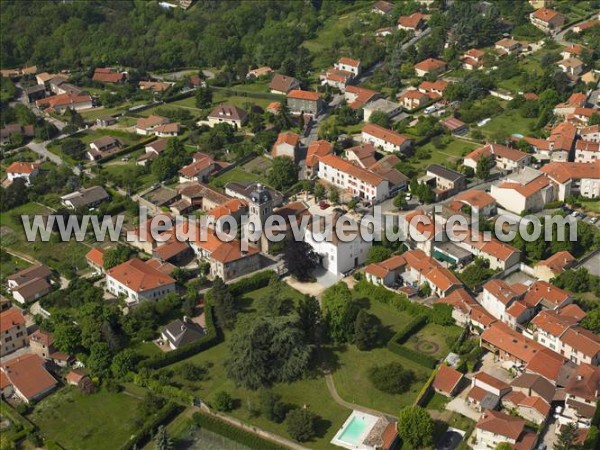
(593,265)
(494,368)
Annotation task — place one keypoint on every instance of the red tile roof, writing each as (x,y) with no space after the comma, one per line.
(547,364)
(447,379)
(501,424)
(585,383)
(545,14)
(542,291)
(497,150)
(510,341)
(381,269)
(430,64)
(494,382)
(304,95)
(562,172)
(501,291)
(96,256)
(349,61)
(28,375)
(558,262)
(572,311)
(438,275)
(411,21)
(22,167)
(344,166)
(582,340)
(478,199)
(62,100)
(385,134)
(317,149)
(10,318)
(139,276)
(106,75)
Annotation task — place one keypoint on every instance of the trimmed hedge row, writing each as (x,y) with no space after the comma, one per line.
(16,418)
(251,283)
(219,426)
(212,338)
(395,343)
(139,439)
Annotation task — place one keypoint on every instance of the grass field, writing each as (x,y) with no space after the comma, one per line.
(11,265)
(433,340)
(235,174)
(455,150)
(509,122)
(93,114)
(78,421)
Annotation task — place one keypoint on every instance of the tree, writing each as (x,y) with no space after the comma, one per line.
(223,304)
(67,336)
(339,311)
(415,426)
(100,358)
(378,253)
(504,446)
(223,401)
(392,378)
(300,424)
(366,330)
(309,314)
(400,201)
(483,168)
(594,119)
(319,191)
(567,437)
(283,173)
(271,406)
(123,363)
(334,195)
(592,321)
(267,350)
(380,118)
(117,255)
(162,441)
(203,97)
(300,259)
(75,148)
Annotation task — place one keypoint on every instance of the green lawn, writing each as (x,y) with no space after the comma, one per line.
(591,205)
(437,402)
(241,101)
(235,174)
(509,122)
(78,421)
(11,265)
(93,114)
(454,150)
(433,340)
(91,135)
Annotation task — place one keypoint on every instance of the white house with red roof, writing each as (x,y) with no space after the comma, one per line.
(414,22)
(499,156)
(413,99)
(387,140)
(574,178)
(27,377)
(553,266)
(527,190)
(496,427)
(473,59)
(138,280)
(582,393)
(315,151)
(547,20)
(498,296)
(348,65)
(13,331)
(386,272)
(430,66)
(424,269)
(24,170)
(591,133)
(287,144)
(587,151)
(447,381)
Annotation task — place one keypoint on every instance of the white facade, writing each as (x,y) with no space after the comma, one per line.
(385,145)
(378,191)
(26,176)
(133,297)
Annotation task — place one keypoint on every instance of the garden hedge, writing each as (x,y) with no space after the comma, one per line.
(251,283)
(212,338)
(395,344)
(247,438)
(139,439)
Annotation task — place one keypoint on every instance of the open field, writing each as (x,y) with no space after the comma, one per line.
(433,340)
(235,174)
(454,150)
(75,420)
(509,122)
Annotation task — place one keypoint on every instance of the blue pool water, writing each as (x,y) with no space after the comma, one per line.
(353,431)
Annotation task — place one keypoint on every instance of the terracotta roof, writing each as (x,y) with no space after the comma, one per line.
(152,121)
(62,100)
(501,424)
(537,403)
(586,382)
(501,291)
(529,189)
(574,49)
(477,394)
(536,384)
(475,53)
(381,269)
(438,275)
(430,64)
(582,340)
(349,61)
(287,137)
(530,96)
(364,153)
(453,123)
(383,6)
(587,146)
(507,43)
(106,75)
(547,364)
(228,112)
(479,314)
(447,379)
(200,165)
(510,341)
(478,199)
(459,299)
(317,149)
(363,96)
(562,172)
(10,318)
(231,251)
(42,337)
(22,167)
(542,291)
(167,128)
(75,376)
(497,150)
(572,311)
(411,21)
(139,276)
(304,95)
(229,207)
(385,134)
(389,435)
(170,249)
(282,83)
(516,309)
(344,166)
(494,382)
(590,130)
(558,262)
(545,14)
(413,94)
(28,375)
(438,85)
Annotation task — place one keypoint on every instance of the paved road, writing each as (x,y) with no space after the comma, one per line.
(560,37)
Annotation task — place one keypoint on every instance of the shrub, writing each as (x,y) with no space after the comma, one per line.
(223,401)
(252,283)
(391,378)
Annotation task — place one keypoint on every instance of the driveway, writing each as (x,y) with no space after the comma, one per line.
(593,264)
(494,368)
(459,405)
(324,279)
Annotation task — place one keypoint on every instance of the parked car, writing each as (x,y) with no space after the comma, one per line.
(323,204)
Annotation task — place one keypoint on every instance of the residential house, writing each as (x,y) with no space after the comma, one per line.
(22,170)
(447,381)
(587,151)
(383,8)
(421,269)
(509,345)
(304,102)
(106,121)
(179,333)
(413,99)
(248,191)
(499,156)
(229,114)
(552,366)
(202,166)
(13,331)
(146,125)
(496,427)
(547,20)
(445,182)
(543,295)
(559,146)
(85,198)
(201,196)
(167,130)
(576,178)
(461,302)
(108,75)
(95,259)
(60,103)
(357,97)
(259,72)
(582,394)
(507,46)
(434,89)
(28,378)
(553,266)
(287,144)
(473,59)
(282,84)
(591,133)
(103,147)
(152,150)
(480,202)
(387,140)
(527,190)
(386,169)
(576,100)
(77,378)
(454,125)
(430,66)
(336,78)
(362,155)
(137,281)
(336,255)
(386,272)
(316,150)
(380,105)
(415,22)
(573,67)
(348,65)
(488,383)
(498,296)
(41,343)
(353,179)
(572,51)
(154,86)
(30,284)
(14,133)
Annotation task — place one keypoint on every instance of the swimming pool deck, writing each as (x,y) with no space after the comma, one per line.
(346,438)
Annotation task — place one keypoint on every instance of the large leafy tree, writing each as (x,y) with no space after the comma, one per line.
(366,330)
(283,173)
(223,303)
(300,424)
(567,438)
(415,426)
(300,259)
(267,350)
(340,311)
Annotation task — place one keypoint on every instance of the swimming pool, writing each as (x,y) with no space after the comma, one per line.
(354,431)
